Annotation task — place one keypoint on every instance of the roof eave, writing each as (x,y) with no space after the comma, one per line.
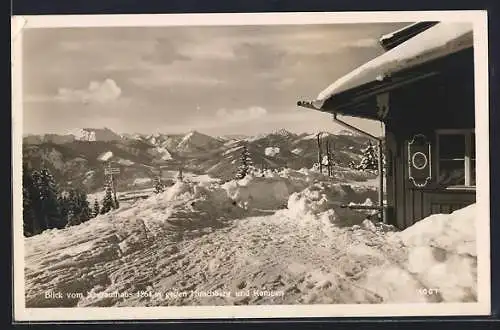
(352,101)
(391,40)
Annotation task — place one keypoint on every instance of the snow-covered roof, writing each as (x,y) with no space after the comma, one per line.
(390,35)
(442,39)
(395,38)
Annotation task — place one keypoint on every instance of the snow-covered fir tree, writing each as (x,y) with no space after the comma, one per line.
(73,219)
(108,202)
(245,164)
(76,207)
(352,165)
(46,207)
(159,187)
(96,209)
(83,206)
(369,160)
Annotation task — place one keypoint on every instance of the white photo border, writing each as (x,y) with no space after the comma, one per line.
(19,24)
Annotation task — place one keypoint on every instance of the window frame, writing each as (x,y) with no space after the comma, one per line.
(468,137)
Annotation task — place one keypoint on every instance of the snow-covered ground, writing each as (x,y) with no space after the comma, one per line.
(271,151)
(278,239)
(144,185)
(105,156)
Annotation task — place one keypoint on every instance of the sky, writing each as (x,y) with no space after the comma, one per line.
(214,79)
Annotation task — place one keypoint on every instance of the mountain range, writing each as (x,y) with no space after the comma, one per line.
(81,161)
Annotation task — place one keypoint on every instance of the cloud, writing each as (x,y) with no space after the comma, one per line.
(97,92)
(236,115)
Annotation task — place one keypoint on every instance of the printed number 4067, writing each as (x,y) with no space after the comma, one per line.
(428,291)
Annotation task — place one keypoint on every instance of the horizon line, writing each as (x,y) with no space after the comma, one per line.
(72,131)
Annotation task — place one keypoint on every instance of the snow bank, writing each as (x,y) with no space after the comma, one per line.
(310,207)
(266,193)
(139,181)
(451,232)
(55,258)
(441,262)
(324,200)
(274,190)
(442,253)
(177,191)
(308,201)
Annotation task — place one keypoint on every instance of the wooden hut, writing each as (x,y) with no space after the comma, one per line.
(422,89)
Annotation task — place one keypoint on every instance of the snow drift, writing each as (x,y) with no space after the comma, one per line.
(259,193)
(441,262)
(206,236)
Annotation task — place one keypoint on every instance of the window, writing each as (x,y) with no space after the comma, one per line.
(456,158)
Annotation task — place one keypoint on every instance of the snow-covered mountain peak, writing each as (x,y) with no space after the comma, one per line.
(97,134)
(283,132)
(276,133)
(195,140)
(194,135)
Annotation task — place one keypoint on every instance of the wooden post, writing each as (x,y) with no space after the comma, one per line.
(331,156)
(327,147)
(381,180)
(160,176)
(330,159)
(320,155)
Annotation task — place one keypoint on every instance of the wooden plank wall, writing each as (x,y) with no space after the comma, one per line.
(423,108)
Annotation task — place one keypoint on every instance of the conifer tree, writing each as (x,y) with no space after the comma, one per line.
(73,219)
(45,207)
(36,200)
(245,164)
(72,201)
(83,206)
(96,209)
(51,216)
(28,216)
(108,202)
(159,187)
(64,206)
(31,225)
(369,160)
